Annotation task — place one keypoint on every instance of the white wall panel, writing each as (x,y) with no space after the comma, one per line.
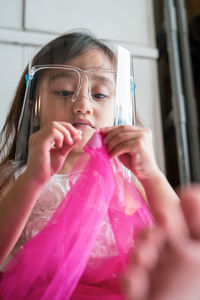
(127,21)
(11,13)
(13,59)
(38,39)
(10,71)
(147,102)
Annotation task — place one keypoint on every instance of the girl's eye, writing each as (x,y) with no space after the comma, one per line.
(65,93)
(99,96)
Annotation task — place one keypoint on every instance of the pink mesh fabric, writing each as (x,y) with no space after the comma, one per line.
(51,265)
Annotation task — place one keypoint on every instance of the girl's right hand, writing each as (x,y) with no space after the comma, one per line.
(48,149)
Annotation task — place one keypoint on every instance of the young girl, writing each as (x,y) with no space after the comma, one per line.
(69,95)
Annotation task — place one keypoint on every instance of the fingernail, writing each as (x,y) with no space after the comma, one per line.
(70,141)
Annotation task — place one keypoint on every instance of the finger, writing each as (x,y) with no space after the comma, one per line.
(68,132)
(66,149)
(146,254)
(148,246)
(119,129)
(190,203)
(70,127)
(61,136)
(122,148)
(135,283)
(63,126)
(46,138)
(106,129)
(171,218)
(122,138)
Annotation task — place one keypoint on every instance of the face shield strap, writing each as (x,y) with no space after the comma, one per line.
(28,80)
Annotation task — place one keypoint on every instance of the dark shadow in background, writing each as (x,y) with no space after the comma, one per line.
(193,15)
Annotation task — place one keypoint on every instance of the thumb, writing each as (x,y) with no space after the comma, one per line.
(190,202)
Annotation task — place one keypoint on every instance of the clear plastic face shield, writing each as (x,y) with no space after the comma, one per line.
(96,84)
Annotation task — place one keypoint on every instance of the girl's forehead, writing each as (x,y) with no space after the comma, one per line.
(93,59)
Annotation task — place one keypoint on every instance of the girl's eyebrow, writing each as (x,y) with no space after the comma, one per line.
(71,74)
(103,79)
(63,74)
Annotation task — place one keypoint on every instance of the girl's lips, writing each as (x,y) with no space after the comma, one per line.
(83,123)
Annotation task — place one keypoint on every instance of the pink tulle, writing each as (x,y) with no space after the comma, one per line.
(51,264)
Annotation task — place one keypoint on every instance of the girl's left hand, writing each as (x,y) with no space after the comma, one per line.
(133,145)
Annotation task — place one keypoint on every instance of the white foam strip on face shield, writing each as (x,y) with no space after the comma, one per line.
(123,88)
(125,100)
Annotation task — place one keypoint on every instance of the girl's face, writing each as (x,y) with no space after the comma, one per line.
(94,105)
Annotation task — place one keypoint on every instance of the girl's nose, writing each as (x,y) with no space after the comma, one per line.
(83,103)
